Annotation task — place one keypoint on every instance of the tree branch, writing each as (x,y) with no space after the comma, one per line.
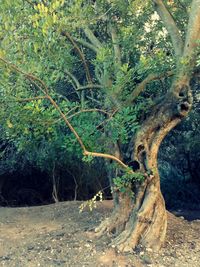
(170,26)
(32,78)
(141,86)
(27,75)
(89,86)
(93,39)
(80,87)
(83,111)
(192,40)
(86,44)
(67,122)
(74,79)
(116,46)
(107,156)
(106,120)
(82,56)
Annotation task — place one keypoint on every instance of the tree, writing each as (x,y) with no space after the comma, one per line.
(116,67)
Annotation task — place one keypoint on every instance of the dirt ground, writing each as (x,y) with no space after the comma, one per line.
(57,235)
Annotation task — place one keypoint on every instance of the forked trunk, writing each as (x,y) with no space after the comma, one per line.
(144,220)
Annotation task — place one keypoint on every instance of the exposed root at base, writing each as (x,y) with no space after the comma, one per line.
(104,227)
(112,225)
(121,242)
(116,223)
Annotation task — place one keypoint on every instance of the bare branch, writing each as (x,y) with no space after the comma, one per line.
(115,42)
(72,109)
(74,79)
(170,26)
(107,156)
(78,86)
(89,86)
(94,100)
(193,33)
(86,44)
(93,39)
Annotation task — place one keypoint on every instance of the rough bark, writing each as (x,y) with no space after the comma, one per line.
(144,221)
(171,26)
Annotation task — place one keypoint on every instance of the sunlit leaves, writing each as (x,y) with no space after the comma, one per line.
(91,203)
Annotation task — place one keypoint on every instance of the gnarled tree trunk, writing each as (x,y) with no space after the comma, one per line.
(144,220)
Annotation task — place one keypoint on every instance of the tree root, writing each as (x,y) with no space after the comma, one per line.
(116,223)
(112,225)
(147,227)
(104,227)
(143,223)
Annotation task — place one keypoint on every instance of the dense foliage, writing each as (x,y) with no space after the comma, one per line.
(92,56)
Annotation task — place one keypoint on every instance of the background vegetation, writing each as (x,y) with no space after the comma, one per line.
(72,46)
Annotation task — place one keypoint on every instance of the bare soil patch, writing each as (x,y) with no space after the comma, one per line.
(57,235)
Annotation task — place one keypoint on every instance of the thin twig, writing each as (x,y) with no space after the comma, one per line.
(73,78)
(89,86)
(27,75)
(105,121)
(82,56)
